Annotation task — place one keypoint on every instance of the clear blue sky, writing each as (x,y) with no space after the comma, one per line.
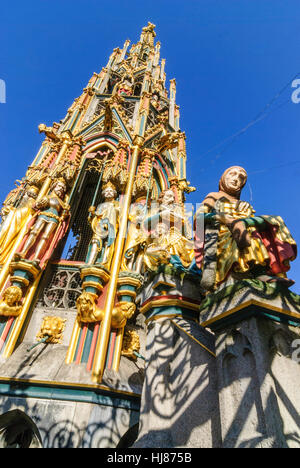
(229,57)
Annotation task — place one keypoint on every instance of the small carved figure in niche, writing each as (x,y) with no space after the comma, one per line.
(52,327)
(168,212)
(105,223)
(53,210)
(125,87)
(87,310)
(155,100)
(108,117)
(10,304)
(237,243)
(15,219)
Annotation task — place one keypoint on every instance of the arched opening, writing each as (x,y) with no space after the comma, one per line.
(138,83)
(17,430)
(88,194)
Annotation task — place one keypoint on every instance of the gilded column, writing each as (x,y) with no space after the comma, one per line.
(102,344)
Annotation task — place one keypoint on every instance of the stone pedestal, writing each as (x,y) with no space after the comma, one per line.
(257,336)
(179,406)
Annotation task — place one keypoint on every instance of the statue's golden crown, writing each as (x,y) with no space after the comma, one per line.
(109,185)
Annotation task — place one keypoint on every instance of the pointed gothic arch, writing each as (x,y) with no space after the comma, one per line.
(77,241)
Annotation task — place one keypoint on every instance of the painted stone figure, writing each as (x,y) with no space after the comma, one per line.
(124,88)
(14,220)
(167,211)
(105,223)
(168,246)
(136,240)
(167,241)
(155,100)
(235,242)
(52,211)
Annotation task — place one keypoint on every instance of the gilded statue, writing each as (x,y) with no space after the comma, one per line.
(87,311)
(10,200)
(15,218)
(136,240)
(131,344)
(167,242)
(51,211)
(125,86)
(155,100)
(10,304)
(166,211)
(105,224)
(122,311)
(168,246)
(236,243)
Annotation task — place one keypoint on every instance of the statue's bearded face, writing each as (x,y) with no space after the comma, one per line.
(60,189)
(109,193)
(161,230)
(168,197)
(32,193)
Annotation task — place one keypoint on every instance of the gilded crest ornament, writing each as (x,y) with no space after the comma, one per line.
(51,330)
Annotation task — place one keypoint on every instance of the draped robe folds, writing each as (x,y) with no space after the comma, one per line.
(12,225)
(273,248)
(52,207)
(174,244)
(135,239)
(105,228)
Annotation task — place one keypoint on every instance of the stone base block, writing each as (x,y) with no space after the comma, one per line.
(248,298)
